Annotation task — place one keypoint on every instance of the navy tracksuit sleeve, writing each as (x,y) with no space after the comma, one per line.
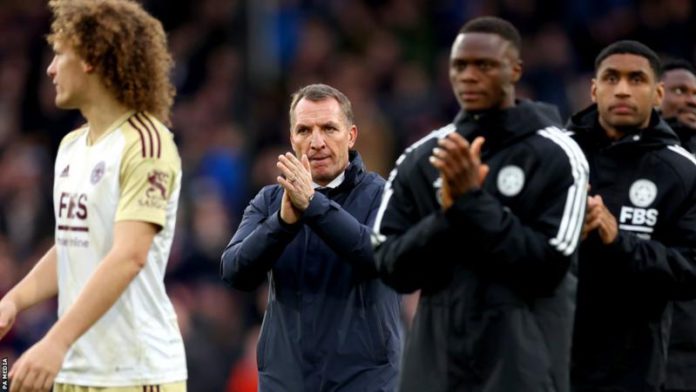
(343,233)
(668,265)
(256,245)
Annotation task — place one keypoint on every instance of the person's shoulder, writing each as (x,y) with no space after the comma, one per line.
(554,146)
(269,193)
(679,156)
(681,161)
(419,152)
(554,140)
(72,136)
(270,189)
(371,185)
(374,178)
(148,138)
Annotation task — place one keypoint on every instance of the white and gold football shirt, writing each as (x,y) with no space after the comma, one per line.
(132,172)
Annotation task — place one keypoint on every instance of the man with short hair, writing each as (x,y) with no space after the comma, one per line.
(116,191)
(330,323)
(640,232)
(487,231)
(678,106)
(678,109)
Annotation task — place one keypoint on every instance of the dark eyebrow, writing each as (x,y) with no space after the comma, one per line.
(679,85)
(610,71)
(637,73)
(467,60)
(330,124)
(631,74)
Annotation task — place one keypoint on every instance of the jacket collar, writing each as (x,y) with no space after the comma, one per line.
(585,125)
(353,173)
(686,134)
(501,127)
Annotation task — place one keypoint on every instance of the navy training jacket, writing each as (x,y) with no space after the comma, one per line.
(330,323)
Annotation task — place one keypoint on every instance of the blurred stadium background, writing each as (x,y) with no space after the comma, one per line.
(237,61)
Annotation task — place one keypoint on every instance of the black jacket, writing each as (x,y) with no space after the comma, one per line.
(497,301)
(330,323)
(686,134)
(622,320)
(681,355)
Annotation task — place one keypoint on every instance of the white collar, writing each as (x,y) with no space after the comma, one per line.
(333,184)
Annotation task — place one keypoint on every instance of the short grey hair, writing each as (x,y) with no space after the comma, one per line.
(319,92)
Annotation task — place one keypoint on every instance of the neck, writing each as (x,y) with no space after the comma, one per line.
(509,100)
(612,132)
(101,114)
(616,133)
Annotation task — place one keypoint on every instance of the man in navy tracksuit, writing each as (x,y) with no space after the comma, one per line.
(678,109)
(483,216)
(330,324)
(640,247)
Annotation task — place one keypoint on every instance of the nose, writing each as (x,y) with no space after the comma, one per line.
(691,99)
(622,89)
(317,140)
(51,70)
(467,74)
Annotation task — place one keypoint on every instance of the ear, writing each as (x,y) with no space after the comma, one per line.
(516,70)
(659,94)
(352,135)
(87,68)
(593,90)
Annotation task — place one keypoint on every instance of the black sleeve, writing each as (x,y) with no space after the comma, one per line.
(533,255)
(530,256)
(343,233)
(406,242)
(256,245)
(668,266)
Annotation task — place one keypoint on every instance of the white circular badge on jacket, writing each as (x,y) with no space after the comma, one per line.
(642,193)
(510,180)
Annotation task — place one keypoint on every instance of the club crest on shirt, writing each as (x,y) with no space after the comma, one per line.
(642,193)
(97,172)
(510,180)
(157,180)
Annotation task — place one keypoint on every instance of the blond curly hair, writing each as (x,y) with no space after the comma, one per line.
(126,46)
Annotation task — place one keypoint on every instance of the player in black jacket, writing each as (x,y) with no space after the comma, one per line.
(487,231)
(639,251)
(679,110)
(678,107)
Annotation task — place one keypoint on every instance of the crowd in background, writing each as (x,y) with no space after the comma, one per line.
(237,62)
